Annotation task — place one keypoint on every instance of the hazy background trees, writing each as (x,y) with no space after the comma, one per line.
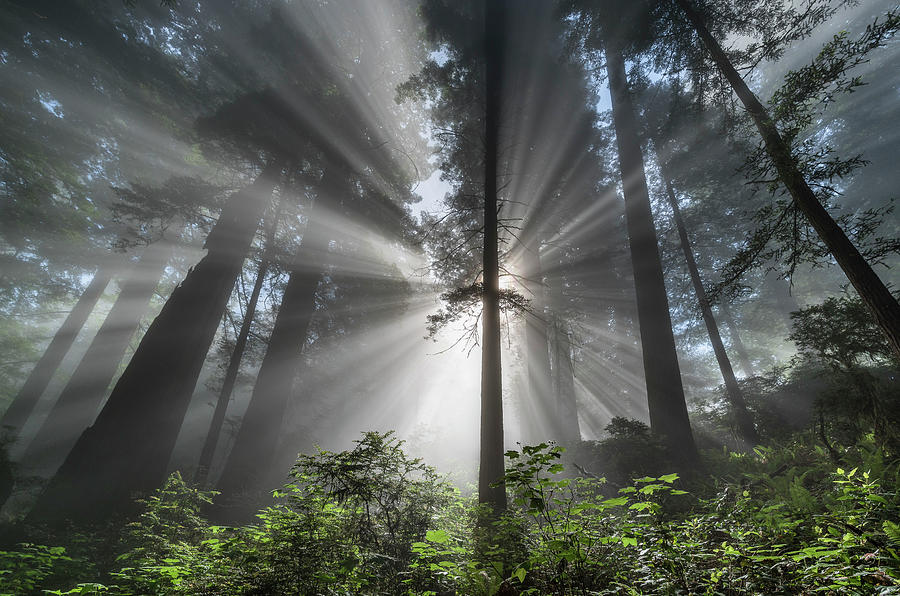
(224,230)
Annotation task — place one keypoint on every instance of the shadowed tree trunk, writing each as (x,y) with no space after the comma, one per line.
(743,356)
(129,446)
(79,401)
(491,489)
(250,460)
(743,420)
(868,285)
(23,404)
(665,394)
(234,363)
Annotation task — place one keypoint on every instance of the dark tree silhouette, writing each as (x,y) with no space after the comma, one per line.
(743,419)
(665,394)
(237,353)
(490,473)
(249,463)
(128,447)
(80,399)
(871,289)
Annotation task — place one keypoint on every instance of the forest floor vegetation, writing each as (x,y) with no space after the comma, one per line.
(781,519)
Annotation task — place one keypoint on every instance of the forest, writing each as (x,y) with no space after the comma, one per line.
(449,297)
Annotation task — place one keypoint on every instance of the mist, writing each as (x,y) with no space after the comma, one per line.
(232,233)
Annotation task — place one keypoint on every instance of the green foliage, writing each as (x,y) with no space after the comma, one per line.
(840,331)
(630,451)
(372,520)
(349,519)
(29,566)
(464,303)
(782,237)
(163,540)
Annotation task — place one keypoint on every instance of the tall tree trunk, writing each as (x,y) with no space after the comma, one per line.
(743,419)
(540,386)
(249,463)
(234,363)
(491,488)
(129,446)
(23,404)
(665,394)
(567,407)
(566,410)
(79,401)
(743,356)
(868,285)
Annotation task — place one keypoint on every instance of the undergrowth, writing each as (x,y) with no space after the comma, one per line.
(372,520)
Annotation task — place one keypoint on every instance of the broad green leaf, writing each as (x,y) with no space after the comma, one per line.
(437,536)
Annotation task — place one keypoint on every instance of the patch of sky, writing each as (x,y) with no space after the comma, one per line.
(432,190)
(50,104)
(440,55)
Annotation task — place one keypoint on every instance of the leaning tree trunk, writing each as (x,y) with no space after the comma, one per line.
(249,463)
(491,489)
(234,363)
(79,401)
(868,285)
(743,356)
(129,446)
(23,404)
(743,419)
(665,394)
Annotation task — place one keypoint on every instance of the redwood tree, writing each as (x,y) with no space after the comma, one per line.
(665,393)
(25,400)
(250,460)
(743,419)
(868,285)
(80,399)
(127,449)
(491,489)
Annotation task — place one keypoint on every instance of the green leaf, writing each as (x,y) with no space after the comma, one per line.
(437,536)
(519,574)
(669,478)
(615,502)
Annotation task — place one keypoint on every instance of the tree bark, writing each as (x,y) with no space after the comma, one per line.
(127,449)
(23,404)
(79,401)
(234,363)
(665,394)
(743,420)
(491,488)
(248,464)
(868,285)
(743,356)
